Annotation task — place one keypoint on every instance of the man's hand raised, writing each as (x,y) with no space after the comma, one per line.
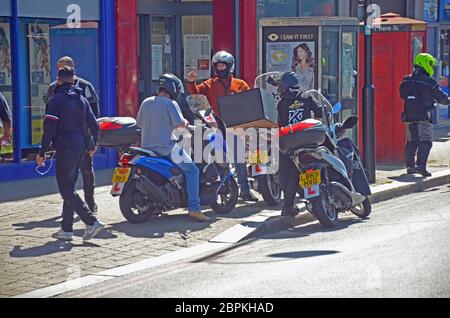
(192,75)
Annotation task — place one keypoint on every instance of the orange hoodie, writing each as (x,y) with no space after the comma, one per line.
(215,87)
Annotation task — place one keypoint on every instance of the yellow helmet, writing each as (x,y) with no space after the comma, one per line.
(427,62)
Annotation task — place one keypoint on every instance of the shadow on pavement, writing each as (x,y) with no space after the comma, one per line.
(48,248)
(302,254)
(48,223)
(311,229)
(159,227)
(407,178)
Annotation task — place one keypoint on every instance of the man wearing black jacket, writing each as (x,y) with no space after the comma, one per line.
(420,92)
(67,112)
(292,108)
(87,90)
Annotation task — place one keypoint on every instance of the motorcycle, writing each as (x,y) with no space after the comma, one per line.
(263,178)
(332,177)
(148,184)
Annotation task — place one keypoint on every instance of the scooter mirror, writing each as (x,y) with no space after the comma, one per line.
(337,108)
(197,103)
(350,122)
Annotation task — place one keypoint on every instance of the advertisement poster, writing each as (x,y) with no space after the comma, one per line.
(292,48)
(430,10)
(197,54)
(40,76)
(157,61)
(5,75)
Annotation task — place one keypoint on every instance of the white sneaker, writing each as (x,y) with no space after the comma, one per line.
(64,236)
(93,230)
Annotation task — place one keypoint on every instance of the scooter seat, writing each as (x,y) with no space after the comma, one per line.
(146,152)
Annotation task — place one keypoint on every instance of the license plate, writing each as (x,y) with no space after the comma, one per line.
(310,178)
(117,188)
(258,170)
(121,175)
(258,157)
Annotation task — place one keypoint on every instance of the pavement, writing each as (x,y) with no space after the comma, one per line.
(32,264)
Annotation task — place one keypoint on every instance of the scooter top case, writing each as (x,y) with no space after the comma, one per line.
(118,131)
(307,133)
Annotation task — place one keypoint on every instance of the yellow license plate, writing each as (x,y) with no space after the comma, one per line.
(121,175)
(258,157)
(310,178)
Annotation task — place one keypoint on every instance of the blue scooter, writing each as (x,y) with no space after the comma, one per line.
(149,184)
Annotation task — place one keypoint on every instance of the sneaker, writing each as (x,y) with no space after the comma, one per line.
(412,170)
(93,230)
(424,172)
(199,216)
(248,197)
(63,236)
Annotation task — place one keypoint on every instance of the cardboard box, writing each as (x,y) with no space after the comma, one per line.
(254,108)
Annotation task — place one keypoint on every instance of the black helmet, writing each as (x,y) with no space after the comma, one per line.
(284,81)
(225,58)
(171,84)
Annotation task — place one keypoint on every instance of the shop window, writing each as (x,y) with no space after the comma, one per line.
(317,7)
(6,152)
(277,8)
(42,43)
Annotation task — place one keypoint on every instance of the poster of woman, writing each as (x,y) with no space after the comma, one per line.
(303,65)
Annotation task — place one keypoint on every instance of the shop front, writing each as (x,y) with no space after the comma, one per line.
(32,39)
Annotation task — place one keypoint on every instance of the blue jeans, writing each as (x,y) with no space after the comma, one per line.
(192,175)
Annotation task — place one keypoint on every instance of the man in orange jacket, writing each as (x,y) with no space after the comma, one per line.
(221,84)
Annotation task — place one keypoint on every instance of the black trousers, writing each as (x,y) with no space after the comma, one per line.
(419,138)
(87,173)
(68,163)
(290,178)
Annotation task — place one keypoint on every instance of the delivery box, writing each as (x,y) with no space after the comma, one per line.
(254,108)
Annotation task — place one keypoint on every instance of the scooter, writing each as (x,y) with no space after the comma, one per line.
(332,177)
(263,178)
(148,184)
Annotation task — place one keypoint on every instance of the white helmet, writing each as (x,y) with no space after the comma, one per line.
(225,58)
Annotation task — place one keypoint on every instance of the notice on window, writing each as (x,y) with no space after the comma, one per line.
(197,54)
(40,76)
(157,61)
(5,75)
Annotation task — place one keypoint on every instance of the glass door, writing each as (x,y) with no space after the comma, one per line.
(330,64)
(349,78)
(162,51)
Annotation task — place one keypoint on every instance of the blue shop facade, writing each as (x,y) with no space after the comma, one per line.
(32,38)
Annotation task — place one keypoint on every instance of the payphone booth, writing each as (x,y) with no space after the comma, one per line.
(323,51)
(396,42)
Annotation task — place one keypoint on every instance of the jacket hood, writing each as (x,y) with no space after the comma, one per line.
(69,90)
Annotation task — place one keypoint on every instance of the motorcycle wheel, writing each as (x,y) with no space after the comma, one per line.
(323,210)
(270,189)
(134,204)
(363,210)
(227,197)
